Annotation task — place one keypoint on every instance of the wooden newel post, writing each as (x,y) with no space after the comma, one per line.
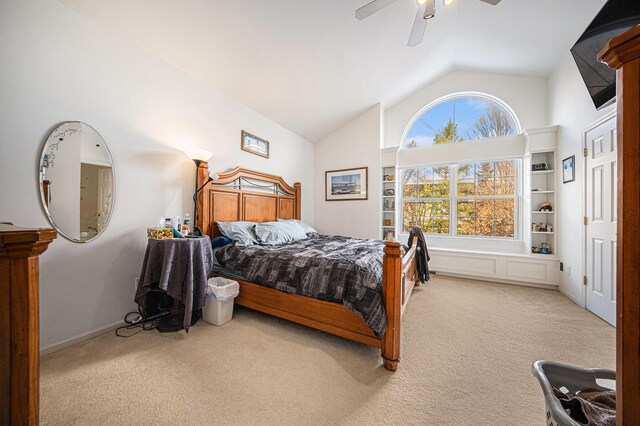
(622,53)
(19,325)
(392,295)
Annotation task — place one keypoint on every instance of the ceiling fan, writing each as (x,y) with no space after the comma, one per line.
(426,11)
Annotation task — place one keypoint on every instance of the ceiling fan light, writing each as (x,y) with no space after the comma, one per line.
(422,2)
(447,3)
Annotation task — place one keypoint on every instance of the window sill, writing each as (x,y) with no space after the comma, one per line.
(485,245)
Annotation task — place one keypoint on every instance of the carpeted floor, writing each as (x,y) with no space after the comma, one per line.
(467,349)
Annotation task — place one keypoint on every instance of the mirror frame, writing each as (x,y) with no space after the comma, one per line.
(40,180)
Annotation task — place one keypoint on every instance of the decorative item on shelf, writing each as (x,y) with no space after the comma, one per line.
(385,178)
(536,189)
(385,205)
(389,192)
(387,222)
(568,169)
(541,227)
(199,156)
(539,167)
(389,235)
(535,250)
(545,207)
(545,248)
(390,178)
(346,184)
(254,144)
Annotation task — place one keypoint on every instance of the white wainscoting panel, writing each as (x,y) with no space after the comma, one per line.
(508,268)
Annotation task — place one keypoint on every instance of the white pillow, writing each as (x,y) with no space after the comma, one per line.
(240,232)
(273,233)
(305,226)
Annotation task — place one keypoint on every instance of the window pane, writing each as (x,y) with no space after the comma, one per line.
(484,227)
(466,226)
(505,168)
(466,188)
(506,186)
(505,227)
(505,208)
(409,186)
(485,208)
(466,209)
(440,225)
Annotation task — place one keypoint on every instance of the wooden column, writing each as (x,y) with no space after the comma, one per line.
(622,53)
(19,332)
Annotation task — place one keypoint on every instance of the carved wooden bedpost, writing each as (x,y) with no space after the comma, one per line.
(298,202)
(392,295)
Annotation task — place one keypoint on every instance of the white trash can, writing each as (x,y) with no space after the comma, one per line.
(218,307)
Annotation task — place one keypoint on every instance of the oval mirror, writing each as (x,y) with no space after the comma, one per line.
(76,181)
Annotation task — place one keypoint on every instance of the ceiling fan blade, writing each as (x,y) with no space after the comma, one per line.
(419,25)
(493,2)
(371,8)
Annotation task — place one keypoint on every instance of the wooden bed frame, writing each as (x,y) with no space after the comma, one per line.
(242,194)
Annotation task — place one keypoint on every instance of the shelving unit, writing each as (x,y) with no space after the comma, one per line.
(543,191)
(388,202)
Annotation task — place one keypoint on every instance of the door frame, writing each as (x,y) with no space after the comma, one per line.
(608,116)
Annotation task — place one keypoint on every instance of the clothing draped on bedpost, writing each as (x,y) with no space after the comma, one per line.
(422,254)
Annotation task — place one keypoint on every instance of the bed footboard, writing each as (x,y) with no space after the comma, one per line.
(398,279)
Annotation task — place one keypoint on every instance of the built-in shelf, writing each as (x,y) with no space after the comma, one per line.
(545,181)
(387,206)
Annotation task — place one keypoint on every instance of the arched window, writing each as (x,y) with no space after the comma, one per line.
(463,193)
(459,118)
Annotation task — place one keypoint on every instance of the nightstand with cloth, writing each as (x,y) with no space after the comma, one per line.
(174,278)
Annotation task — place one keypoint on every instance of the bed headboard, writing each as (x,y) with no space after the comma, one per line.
(243,194)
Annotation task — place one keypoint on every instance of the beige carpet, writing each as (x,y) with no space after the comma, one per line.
(467,349)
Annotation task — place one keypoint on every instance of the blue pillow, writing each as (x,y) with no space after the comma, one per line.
(220,241)
(240,232)
(273,233)
(307,229)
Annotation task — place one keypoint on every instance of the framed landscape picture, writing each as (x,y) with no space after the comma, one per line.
(346,184)
(254,144)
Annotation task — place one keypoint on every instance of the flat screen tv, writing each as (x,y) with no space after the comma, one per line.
(615,17)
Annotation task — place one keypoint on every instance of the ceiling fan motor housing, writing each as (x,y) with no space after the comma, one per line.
(429,9)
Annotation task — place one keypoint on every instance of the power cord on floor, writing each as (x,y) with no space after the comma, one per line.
(138,320)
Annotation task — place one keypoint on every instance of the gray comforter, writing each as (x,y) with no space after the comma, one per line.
(329,268)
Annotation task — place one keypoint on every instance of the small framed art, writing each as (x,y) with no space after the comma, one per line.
(568,169)
(255,145)
(346,184)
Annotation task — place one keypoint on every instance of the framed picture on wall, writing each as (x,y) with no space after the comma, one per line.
(568,169)
(346,184)
(255,145)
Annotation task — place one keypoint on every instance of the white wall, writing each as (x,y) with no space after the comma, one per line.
(356,144)
(571,108)
(527,96)
(58,66)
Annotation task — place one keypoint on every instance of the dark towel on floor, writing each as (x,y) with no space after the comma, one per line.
(590,407)
(422,254)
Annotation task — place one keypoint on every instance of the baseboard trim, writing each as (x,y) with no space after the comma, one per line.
(83,337)
(498,280)
(571,297)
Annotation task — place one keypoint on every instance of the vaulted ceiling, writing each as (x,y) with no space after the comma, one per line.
(311,66)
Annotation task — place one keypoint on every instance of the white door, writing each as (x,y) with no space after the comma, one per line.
(601,207)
